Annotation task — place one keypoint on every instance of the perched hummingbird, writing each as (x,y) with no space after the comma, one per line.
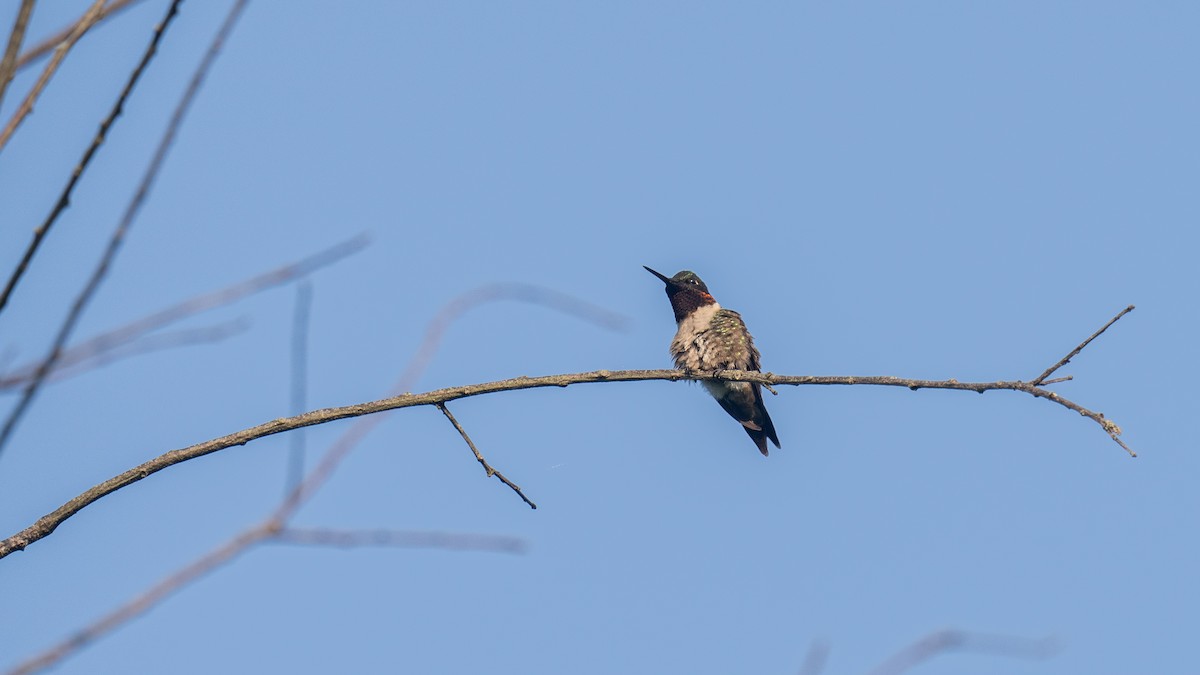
(713,338)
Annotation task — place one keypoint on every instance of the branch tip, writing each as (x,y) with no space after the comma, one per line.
(1041,379)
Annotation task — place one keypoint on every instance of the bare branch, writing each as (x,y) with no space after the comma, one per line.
(486,467)
(131,211)
(1041,379)
(47,524)
(400,539)
(943,641)
(89,19)
(8,64)
(64,199)
(40,49)
(275,524)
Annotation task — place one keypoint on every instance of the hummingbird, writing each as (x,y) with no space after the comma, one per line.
(711,337)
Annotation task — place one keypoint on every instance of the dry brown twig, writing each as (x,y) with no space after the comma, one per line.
(479,457)
(44,46)
(8,63)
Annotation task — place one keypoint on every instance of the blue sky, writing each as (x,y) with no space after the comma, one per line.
(926,190)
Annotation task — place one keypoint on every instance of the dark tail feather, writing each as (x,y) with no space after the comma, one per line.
(760,439)
(764,421)
(750,411)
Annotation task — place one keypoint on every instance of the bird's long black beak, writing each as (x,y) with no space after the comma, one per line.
(665,280)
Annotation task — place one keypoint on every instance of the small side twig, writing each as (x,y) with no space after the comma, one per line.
(1065,378)
(1041,379)
(486,467)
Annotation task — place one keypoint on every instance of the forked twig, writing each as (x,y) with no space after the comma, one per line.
(40,49)
(486,467)
(89,19)
(1041,379)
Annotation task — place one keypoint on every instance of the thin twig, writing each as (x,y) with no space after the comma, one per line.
(89,19)
(1040,379)
(74,362)
(41,48)
(400,539)
(1065,378)
(98,348)
(944,641)
(8,64)
(64,199)
(131,211)
(185,337)
(486,467)
(299,376)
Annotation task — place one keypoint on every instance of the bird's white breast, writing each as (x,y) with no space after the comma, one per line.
(692,333)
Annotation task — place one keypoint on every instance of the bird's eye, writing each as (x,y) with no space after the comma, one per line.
(692,282)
